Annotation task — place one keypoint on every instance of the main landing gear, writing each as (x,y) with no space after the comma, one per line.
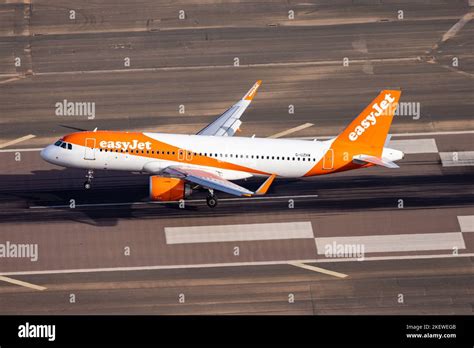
(211,199)
(89,177)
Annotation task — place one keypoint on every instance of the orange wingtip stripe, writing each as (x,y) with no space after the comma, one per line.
(253,91)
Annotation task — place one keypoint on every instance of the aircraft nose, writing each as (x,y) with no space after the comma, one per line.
(46,153)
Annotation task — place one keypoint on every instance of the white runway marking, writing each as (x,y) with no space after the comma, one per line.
(245,232)
(229,66)
(457,27)
(412,146)
(23,150)
(267,198)
(318,269)
(466,223)
(291,131)
(22,283)
(457,159)
(10,80)
(395,243)
(16,141)
(235,264)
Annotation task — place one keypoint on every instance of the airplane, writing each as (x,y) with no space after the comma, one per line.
(178,164)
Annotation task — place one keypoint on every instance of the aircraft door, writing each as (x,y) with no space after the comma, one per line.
(328,160)
(90,149)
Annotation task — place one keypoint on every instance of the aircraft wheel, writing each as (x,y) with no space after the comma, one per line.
(87,185)
(211,201)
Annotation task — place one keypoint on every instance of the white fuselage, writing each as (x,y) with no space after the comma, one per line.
(237,157)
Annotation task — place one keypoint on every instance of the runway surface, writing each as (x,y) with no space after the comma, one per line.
(118,253)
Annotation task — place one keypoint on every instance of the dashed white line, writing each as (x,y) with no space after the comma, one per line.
(414,146)
(240,232)
(395,242)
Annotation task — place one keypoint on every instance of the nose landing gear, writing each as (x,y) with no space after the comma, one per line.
(89,177)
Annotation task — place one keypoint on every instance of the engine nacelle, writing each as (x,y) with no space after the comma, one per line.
(168,189)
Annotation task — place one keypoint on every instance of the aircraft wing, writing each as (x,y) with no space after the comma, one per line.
(228,123)
(213,181)
(207,180)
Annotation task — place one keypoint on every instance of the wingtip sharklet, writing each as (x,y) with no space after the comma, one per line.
(253,91)
(265,186)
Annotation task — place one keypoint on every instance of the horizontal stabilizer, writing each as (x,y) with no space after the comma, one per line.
(374,160)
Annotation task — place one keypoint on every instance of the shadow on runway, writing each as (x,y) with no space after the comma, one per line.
(112,195)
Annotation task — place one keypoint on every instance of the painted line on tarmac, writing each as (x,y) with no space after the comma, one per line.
(170,202)
(291,131)
(234,264)
(10,80)
(466,223)
(457,158)
(457,27)
(230,66)
(239,232)
(23,150)
(16,141)
(22,283)
(318,269)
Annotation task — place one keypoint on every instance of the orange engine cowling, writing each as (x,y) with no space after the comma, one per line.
(168,189)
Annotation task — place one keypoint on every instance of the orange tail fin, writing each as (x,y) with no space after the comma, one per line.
(370,129)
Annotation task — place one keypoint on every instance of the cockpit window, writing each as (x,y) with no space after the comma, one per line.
(63,145)
(58,143)
(69,146)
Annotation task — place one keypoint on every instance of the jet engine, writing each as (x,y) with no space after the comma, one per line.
(168,189)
